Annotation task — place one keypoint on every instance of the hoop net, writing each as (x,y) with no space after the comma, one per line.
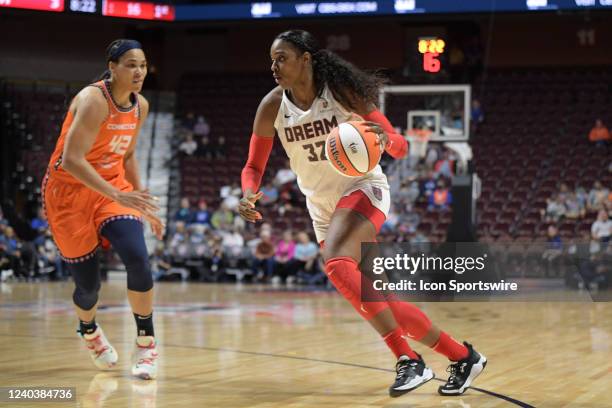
(418,139)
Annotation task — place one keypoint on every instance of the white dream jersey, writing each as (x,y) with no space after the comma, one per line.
(303,135)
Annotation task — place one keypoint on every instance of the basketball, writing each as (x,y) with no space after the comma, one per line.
(352,150)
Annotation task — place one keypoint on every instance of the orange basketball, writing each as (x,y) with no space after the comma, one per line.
(351,150)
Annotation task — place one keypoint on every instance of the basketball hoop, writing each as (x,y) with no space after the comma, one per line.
(418,139)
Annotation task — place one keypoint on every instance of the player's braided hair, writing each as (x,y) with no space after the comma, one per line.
(345,80)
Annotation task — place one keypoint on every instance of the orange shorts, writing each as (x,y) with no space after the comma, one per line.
(76,215)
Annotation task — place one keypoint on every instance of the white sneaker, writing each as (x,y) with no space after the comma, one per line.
(102,353)
(145,358)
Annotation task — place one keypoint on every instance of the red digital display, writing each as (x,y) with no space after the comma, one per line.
(45,5)
(431,48)
(132,9)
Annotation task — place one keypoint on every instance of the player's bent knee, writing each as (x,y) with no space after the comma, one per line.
(344,274)
(86,278)
(85,299)
(139,274)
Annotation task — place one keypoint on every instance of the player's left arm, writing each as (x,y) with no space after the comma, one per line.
(130,162)
(394,143)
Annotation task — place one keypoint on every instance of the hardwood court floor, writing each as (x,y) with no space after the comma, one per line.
(247,346)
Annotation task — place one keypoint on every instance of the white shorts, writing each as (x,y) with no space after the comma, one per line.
(321,208)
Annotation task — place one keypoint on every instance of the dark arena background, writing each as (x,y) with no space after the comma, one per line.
(507,109)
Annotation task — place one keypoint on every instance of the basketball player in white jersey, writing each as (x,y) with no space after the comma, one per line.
(317,90)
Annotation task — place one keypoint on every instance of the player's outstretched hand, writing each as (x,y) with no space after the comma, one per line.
(157,225)
(142,201)
(382,137)
(246,208)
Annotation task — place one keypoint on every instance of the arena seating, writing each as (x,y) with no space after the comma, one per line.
(534,137)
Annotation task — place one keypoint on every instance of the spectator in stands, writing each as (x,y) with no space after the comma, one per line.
(263,256)
(582,196)
(564,191)
(231,195)
(552,251)
(270,194)
(284,176)
(49,257)
(407,222)
(11,241)
(232,240)
(429,184)
(40,226)
(202,216)
(6,264)
(160,262)
(597,197)
(216,261)
(189,121)
(555,209)
(205,149)
(283,255)
(305,259)
(408,192)
(432,155)
(39,223)
(12,249)
(477,116)
(574,208)
(441,198)
(180,236)
(184,214)
(599,134)
(201,127)
(223,218)
(601,230)
(444,166)
(189,146)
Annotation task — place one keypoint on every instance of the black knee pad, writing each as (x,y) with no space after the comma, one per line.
(138,268)
(127,238)
(86,276)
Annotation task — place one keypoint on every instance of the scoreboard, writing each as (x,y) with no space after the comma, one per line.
(111,8)
(297,8)
(42,5)
(139,10)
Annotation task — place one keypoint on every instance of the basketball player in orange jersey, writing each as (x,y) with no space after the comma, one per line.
(316,91)
(92,190)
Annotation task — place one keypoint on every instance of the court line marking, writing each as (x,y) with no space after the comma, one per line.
(259,353)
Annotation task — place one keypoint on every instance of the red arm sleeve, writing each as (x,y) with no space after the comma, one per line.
(259,152)
(397,146)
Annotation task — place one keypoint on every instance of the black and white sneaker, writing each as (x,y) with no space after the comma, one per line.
(463,372)
(411,374)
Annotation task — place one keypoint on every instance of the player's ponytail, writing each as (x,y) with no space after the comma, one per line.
(114,51)
(103,76)
(345,80)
